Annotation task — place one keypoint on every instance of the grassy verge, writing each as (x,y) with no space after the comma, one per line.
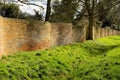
(91,60)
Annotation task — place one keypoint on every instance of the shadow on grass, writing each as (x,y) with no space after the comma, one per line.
(96,48)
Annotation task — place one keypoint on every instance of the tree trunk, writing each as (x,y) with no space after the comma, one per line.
(48,10)
(89,34)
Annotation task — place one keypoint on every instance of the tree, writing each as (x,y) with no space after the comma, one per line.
(90,11)
(66,11)
(9,10)
(106,9)
(63,12)
(90,7)
(48,10)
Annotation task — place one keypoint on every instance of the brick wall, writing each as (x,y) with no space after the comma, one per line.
(23,35)
(103,32)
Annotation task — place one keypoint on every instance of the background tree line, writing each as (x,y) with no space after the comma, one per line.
(12,10)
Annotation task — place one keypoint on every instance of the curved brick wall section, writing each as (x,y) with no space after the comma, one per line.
(103,32)
(61,34)
(22,35)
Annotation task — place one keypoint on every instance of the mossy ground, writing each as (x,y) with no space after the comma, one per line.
(91,60)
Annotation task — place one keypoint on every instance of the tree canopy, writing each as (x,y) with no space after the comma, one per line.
(11,10)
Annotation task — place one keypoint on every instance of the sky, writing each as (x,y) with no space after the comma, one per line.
(30,8)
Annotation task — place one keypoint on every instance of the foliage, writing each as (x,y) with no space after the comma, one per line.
(37,16)
(91,60)
(63,11)
(9,10)
(13,11)
(31,17)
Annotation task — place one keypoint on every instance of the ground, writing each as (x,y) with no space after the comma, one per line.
(92,60)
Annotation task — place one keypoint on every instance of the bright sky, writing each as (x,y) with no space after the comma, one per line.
(29,8)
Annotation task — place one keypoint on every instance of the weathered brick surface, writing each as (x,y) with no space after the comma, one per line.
(22,35)
(61,34)
(103,32)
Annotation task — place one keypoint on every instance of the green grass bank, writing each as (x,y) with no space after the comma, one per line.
(91,60)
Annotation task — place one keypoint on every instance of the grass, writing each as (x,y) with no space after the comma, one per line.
(91,60)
